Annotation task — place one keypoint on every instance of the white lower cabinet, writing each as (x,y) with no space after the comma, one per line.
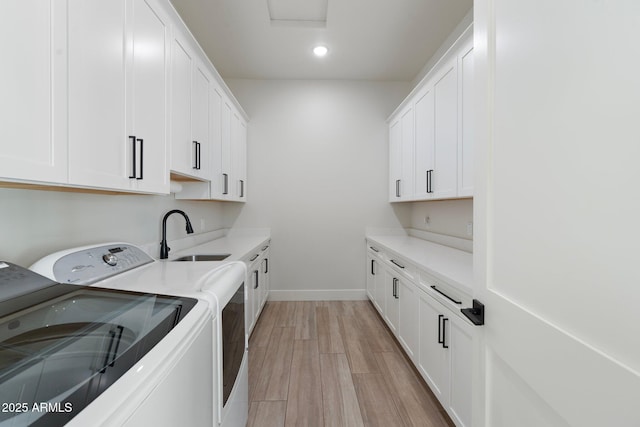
(392,301)
(257,285)
(445,357)
(408,332)
(437,340)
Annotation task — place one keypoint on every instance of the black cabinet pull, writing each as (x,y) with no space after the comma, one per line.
(266,265)
(429,181)
(264,248)
(141,141)
(445,295)
(374,249)
(255,273)
(133,157)
(399,265)
(373,273)
(197,155)
(444,333)
(225,187)
(241,188)
(440,340)
(254,257)
(397,188)
(395,288)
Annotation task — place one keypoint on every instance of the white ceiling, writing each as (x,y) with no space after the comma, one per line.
(367,39)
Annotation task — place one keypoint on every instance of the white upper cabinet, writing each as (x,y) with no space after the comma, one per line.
(100,151)
(112,95)
(425,143)
(445,172)
(190,105)
(430,135)
(395,160)
(149,76)
(117,93)
(466,118)
(33,91)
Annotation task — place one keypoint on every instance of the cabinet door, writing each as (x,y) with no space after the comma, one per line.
(392,301)
(372,267)
(250,314)
(242,160)
(381,291)
(256,306)
(33,96)
(408,154)
(215,156)
(408,324)
(100,151)
(433,362)
(182,147)
(460,341)
(446,132)
(149,74)
(264,282)
(465,120)
(395,160)
(225,127)
(425,140)
(199,158)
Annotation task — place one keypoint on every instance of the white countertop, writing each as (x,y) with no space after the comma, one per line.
(453,266)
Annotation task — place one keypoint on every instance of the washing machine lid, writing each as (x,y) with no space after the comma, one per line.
(62,345)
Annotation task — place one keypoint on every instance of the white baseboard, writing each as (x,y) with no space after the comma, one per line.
(318,295)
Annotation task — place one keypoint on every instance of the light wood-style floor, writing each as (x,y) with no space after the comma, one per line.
(333,364)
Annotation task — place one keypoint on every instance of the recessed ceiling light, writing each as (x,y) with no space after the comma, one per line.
(320,50)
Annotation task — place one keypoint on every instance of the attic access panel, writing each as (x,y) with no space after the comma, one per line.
(298,12)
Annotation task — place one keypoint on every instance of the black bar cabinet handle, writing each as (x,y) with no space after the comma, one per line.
(440,340)
(373,273)
(445,295)
(397,188)
(374,249)
(444,333)
(199,156)
(255,286)
(430,181)
(226,183)
(266,265)
(399,265)
(133,160)
(395,288)
(264,248)
(196,156)
(141,141)
(254,257)
(241,188)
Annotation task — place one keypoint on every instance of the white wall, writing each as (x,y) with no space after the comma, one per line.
(35,223)
(448,217)
(318,162)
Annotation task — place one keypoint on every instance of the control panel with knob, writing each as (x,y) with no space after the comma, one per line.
(86,265)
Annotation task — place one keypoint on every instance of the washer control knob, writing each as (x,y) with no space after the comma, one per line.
(110,259)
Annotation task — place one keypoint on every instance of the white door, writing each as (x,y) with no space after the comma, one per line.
(433,359)
(556,212)
(444,180)
(425,116)
(408,155)
(200,123)
(225,132)
(215,156)
(395,160)
(149,66)
(99,148)
(182,147)
(33,96)
(392,301)
(465,120)
(408,294)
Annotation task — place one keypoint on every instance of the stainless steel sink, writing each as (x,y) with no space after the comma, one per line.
(210,257)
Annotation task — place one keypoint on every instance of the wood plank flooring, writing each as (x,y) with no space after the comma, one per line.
(333,363)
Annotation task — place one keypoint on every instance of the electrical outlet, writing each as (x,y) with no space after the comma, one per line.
(470,228)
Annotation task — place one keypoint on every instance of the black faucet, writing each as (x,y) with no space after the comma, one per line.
(164,249)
